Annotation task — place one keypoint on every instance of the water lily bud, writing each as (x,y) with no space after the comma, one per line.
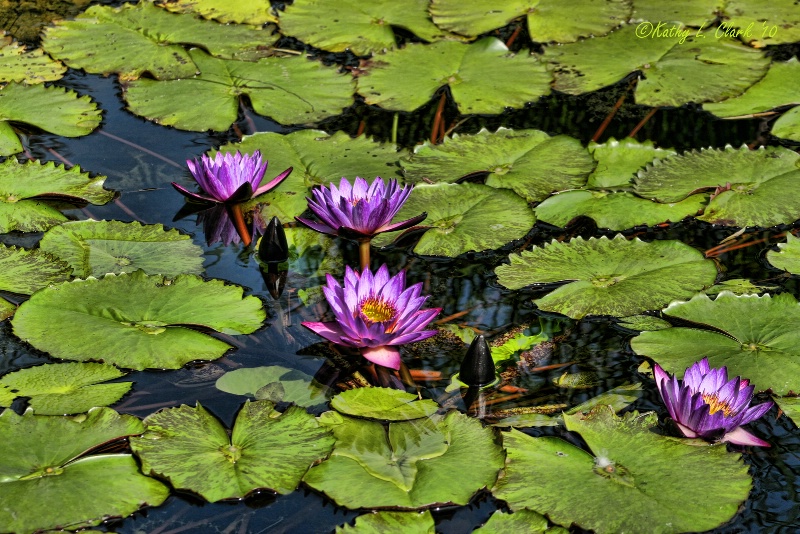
(477,369)
(273,247)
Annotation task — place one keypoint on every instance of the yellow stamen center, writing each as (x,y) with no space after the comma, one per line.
(376,310)
(715,405)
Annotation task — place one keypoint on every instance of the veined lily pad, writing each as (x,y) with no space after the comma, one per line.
(64,388)
(737,286)
(613,277)
(289,90)
(529,162)
(483,77)
(769,23)
(25,271)
(771,91)
(618,161)
(361,27)
(465,217)
(520,521)
(318,158)
(267,449)
(790,406)
(415,464)
(643,322)
(383,403)
(788,126)
(94,248)
(298,387)
(548,20)
(384,522)
(633,480)
(788,258)
(757,338)
(44,486)
(133,39)
(20,65)
(754,187)
(698,13)
(248,11)
(53,109)
(135,320)
(617,210)
(696,70)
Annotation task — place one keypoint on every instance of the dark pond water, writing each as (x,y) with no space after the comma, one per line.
(141,158)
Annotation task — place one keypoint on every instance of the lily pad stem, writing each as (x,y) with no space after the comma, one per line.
(235,212)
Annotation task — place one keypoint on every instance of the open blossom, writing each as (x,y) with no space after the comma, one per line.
(706,404)
(359,211)
(230,177)
(375,313)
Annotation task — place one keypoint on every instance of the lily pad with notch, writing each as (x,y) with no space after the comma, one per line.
(383,403)
(788,255)
(772,91)
(298,387)
(137,321)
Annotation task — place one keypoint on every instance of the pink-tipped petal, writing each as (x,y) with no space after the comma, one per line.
(330,331)
(272,184)
(688,432)
(385,356)
(740,436)
(318,227)
(193,196)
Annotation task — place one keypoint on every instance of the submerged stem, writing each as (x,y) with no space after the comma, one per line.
(235,211)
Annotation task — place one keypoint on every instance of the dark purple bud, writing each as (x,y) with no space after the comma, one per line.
(273,247)
(477,369)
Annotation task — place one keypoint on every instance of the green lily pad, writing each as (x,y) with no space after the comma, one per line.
(384,522)
(619,161)
(754,187)
(383,403)
(697,13)
(136,321)
(613,277)
(788,257)
(548,20)
(633,480)
(133,39)
(65,388)
(737,286)
(289,90)
(483,77)
(465,217)
(415,464)
(771,91)
(529,162)
(317,158)
(29,66)
(247,11)
(780,18)
(615,210)
(26,271)
(43,485)
(53,109)
(94,248)
(699,69)
(788,126)
(790,406)
(755,337)
(520,521)
(299,388)
(361,27)
(267,449)
(643,322)
(24,188)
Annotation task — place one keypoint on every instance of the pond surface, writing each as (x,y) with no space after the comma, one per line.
(141,158)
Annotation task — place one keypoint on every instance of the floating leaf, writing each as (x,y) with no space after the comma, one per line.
(618,161)
(483,77)
(790,406)
(520,521)
(764,23)
(699,13)
(737,286)
(19,65)
(632,481)
(757,338)
(53,109)
(775,89)
(133,39)
(613,277)
(548,20)
(23,186)
(788,126)
(248,11)
(65,388)
(267,449)
(529,162)
(676,71)
(361,27)
(43,486)
(415,464)
(94,248)
(465,217)
(788,257)
(289,90)
(299,388)
(26,271)
(383,403)
(643,322)
(317,158)
(754,187)
(384,522)
(136,320)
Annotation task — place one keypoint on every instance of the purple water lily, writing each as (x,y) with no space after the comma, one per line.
(230,178)
(360,211)
(375,313)
(706,404)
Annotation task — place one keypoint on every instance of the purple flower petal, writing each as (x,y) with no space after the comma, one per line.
(740,436)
